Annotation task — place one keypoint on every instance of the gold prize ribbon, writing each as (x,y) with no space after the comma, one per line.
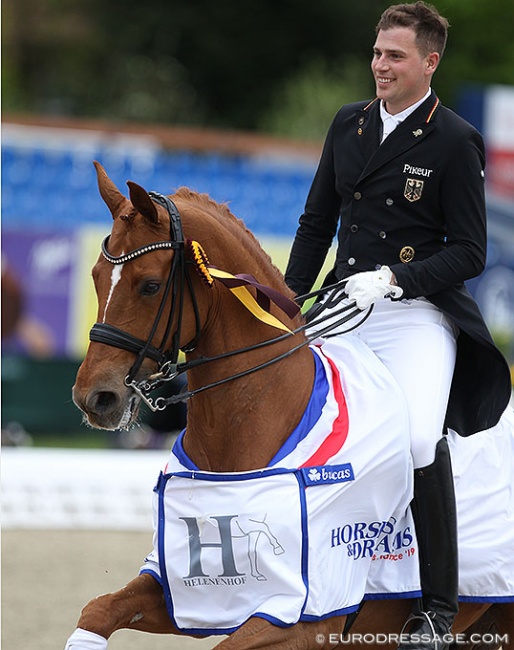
(246,298)
(237,284)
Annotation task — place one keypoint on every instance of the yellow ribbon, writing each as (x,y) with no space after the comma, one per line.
(208,273)
(246,298)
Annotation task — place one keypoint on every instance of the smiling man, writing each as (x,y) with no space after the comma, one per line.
(401,180)
(403,65)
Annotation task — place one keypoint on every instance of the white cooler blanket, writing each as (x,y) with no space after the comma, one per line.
(483,469)
(293,541)
(327,523)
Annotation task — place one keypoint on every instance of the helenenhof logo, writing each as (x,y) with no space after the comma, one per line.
(230,527)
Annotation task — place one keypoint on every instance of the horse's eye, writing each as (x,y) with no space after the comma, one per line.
(150,288)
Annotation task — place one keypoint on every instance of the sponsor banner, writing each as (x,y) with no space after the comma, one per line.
(500,171)
(83,304)
(43,265)
(499,137)
(59,303)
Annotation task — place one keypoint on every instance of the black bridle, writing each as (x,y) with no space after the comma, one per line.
(178,278)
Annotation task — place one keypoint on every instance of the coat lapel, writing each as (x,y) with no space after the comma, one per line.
(368,128)
(408,134)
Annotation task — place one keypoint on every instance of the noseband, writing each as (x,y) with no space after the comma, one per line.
(177,280)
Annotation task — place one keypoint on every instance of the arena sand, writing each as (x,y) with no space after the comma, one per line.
(48,576)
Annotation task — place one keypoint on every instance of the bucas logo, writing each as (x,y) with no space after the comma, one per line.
(325,475)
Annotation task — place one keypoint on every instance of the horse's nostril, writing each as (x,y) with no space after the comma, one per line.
(102,401)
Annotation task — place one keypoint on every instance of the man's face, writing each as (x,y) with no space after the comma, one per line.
(402,74)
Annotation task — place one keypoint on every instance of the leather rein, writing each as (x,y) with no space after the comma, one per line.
(168,366)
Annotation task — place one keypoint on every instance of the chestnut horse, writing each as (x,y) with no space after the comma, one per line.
(155,300)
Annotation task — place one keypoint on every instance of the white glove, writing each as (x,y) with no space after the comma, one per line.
(84,640)
(369,286)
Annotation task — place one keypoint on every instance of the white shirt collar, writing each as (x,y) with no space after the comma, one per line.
(390,122)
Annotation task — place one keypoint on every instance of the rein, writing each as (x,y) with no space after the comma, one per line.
(168,366)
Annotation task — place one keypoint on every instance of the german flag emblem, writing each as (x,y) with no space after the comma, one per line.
(413,189)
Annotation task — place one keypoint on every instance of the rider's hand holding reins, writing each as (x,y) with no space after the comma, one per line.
(369,286)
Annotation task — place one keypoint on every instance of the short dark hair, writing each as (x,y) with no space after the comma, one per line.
(430,27)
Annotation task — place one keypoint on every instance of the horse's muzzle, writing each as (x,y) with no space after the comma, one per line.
(107,409)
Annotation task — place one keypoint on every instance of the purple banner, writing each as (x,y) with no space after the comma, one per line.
(43,264)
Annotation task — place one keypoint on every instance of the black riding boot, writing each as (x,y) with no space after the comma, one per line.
(435,519)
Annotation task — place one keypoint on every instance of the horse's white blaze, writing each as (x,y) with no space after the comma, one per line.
(115,278)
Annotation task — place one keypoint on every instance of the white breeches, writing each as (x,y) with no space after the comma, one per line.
(418,344)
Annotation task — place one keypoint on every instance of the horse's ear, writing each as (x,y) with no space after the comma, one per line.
(141,200)
(113,198)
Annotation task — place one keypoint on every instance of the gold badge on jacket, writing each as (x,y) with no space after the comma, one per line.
(413,189)
(407,254)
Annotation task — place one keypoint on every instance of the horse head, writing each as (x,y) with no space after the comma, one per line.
(137,278)
(156,297)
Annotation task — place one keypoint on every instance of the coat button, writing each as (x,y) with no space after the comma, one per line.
(354,227)
(351,261)
(389,201)
(382,234)
(357,196)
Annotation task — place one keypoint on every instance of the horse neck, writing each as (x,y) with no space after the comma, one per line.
(241,425)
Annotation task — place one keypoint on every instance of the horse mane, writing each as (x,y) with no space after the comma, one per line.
(222,211)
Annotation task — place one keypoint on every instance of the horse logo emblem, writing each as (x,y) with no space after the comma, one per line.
(247,528)
(253,529)
(413,189)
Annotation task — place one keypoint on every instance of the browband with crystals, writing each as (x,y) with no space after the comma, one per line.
(121,259)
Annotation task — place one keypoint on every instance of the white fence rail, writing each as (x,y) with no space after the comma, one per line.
(74,489)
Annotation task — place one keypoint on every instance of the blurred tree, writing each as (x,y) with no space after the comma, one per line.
(237,54)
(306,103)
(480,45)
(179,61)
(45,54)
(232,63)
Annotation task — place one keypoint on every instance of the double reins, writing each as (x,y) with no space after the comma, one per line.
(168,366)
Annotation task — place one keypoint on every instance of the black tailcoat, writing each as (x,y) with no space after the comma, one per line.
(416,204)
